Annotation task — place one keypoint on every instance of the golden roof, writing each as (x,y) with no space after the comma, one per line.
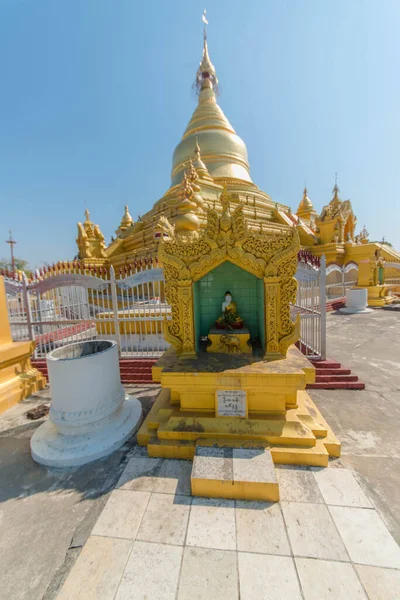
(222,151)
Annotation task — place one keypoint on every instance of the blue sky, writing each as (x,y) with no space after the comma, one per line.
(95,94)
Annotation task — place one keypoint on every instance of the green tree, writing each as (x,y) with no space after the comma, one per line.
(20,264)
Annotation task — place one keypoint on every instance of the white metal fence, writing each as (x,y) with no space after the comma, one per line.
(70,307)
(339,278)
(311,305)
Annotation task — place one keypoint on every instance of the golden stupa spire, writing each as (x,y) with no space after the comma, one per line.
(305,208)
(335,190)
(126,220)
(224,153)
(206,73)
(198,163)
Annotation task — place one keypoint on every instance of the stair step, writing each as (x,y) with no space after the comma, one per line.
(139,382)
(338,385)
(323,372)
(134,379)
(236,473)
(142,362)
(333,378)
(135,370)
(326,364)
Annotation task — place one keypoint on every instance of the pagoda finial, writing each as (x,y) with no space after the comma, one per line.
(204,19)
(206,76)
(335,190)
(126,220)
(87,216)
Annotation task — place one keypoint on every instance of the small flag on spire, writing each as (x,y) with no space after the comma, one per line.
(204,17)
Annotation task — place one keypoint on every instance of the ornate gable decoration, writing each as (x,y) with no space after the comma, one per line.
(90,240)
(226,237)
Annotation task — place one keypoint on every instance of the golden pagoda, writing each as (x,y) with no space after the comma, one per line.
(209,156)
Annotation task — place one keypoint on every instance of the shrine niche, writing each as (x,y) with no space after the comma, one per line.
(266,263)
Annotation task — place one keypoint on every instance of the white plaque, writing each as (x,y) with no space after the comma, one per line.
(231,403)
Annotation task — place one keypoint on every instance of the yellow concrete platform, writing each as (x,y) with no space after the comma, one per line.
(302,437)
(271,386)
(18,379)
(279,416)
(378,295)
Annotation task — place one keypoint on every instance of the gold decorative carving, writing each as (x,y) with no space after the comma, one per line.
(272,258)
(90,240)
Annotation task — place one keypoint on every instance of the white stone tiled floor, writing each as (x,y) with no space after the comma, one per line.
(323,540)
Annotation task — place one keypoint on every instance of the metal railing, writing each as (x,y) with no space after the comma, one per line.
(311,305)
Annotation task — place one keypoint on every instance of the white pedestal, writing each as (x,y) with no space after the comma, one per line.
(356,302)
(90,415)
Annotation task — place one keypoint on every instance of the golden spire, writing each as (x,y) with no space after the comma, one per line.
(198,163)
(193,175)
(305,207)
(88,225)
(185,190)
(224,153)
(186,221)
(126,220)
(335,190)
(206,73)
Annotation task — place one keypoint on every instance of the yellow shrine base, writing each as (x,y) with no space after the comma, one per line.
(18,379)
(280,414)
(229,342)
(378,295)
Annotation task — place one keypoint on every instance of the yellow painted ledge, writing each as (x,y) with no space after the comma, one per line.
(18,379)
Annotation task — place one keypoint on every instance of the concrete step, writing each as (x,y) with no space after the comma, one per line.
(337,385)
(333,378)
(236,473)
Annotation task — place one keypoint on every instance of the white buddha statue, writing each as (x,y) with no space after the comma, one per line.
(229,318)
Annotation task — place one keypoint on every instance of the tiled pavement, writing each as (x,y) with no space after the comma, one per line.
(154,541)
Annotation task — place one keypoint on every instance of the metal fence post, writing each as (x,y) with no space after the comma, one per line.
(115,307)
(27,303)
(322,304)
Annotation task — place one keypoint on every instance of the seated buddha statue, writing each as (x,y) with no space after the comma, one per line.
(229,319)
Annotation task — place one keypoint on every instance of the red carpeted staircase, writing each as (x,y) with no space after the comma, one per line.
(331,376)
(136,370)
(133,371)
(335,304)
